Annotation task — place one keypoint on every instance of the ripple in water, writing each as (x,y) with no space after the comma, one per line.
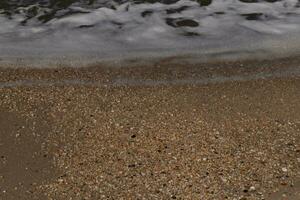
(107,28)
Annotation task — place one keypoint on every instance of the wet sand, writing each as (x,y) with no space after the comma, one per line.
(25,163)
(208,131)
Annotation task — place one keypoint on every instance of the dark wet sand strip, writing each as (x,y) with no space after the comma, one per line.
(25,162)
(232,139)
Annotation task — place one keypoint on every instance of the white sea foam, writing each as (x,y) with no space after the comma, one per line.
(98,33)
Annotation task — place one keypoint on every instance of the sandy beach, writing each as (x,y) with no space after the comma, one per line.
(227,130)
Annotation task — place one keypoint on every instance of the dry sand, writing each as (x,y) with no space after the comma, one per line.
(223,131)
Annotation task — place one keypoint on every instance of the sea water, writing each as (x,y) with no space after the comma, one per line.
(41,32)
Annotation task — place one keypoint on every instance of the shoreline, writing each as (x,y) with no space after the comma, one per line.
(212,139)
(167,71)
(222,49)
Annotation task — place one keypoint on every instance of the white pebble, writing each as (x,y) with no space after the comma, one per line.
(252,188)
(284,169)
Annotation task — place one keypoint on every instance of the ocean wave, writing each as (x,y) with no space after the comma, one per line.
(63,27)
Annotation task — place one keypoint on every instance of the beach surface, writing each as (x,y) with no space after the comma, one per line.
(224,130)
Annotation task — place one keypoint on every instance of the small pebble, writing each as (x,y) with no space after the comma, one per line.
(284,169)
(252,188)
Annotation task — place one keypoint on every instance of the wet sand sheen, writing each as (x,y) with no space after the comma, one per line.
(25,163)
(234,139)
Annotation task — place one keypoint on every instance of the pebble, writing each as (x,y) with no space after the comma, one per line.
(284,169)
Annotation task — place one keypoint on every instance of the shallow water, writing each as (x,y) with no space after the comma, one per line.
(91,30)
